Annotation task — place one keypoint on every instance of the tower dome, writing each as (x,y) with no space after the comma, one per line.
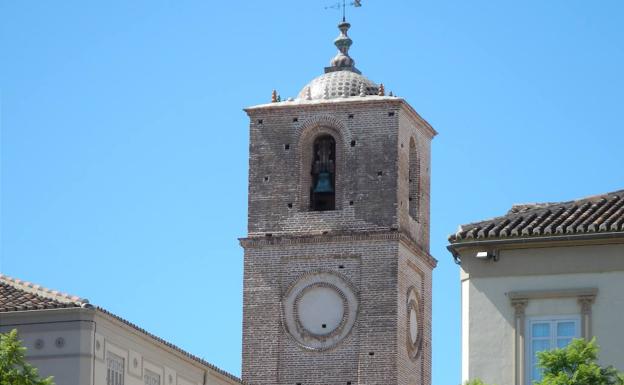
(338,84)
(341,79)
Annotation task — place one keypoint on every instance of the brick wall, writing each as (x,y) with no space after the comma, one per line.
(369,239)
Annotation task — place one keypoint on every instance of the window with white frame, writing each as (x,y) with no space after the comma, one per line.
(547,333)
(151,378)
(114,369)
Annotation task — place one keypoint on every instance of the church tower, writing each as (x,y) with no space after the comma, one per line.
(337,281)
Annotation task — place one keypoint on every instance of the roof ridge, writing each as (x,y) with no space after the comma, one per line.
(524,207)
(42,291)
(541,205)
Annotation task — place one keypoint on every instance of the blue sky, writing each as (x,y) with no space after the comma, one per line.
(124,144)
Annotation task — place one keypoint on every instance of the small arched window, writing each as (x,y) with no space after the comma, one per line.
(323,172)
(414,180)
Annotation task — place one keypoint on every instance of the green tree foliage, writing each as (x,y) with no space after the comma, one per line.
(476,381)
(14,370)
(576,365)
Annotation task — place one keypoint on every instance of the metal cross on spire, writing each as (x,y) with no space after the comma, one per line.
(354,3)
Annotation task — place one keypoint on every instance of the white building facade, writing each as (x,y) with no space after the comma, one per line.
(536,278)
(80,344)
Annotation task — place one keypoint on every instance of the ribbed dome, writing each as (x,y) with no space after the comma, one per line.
(338,84)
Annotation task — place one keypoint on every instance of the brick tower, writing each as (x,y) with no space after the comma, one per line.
(337,282)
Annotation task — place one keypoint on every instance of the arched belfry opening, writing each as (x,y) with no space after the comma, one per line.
(414,180)
(323,172)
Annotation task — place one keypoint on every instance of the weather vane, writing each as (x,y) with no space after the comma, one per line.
(354,3)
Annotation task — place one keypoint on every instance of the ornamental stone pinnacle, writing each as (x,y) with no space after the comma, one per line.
(342,61)
(341,79)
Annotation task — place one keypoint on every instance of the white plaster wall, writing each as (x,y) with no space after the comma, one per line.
(87,335)
(488,318)
(66,360)
(465,322)
(489,336)
(130,345)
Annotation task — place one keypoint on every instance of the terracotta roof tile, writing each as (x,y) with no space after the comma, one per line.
(18,295)
(595,214)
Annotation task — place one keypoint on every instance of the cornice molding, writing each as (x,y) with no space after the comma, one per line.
(556,293)
(458,247)
(258,242)
(324,104)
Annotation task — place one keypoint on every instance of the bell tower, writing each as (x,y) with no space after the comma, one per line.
(337,271)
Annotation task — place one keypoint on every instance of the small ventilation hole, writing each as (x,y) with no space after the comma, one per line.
(290,205)
(268,235)
(371,353)
(287,147)
(324,326)
(295,119)
(341,266)
(391,113)
(350,116)
(379,173)
(266,178)
(350,203)
(260,121)
(353,143)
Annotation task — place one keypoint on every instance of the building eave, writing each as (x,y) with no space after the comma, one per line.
(544,241)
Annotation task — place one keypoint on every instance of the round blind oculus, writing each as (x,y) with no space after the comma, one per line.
(414,330)
(413,323)
(319,310)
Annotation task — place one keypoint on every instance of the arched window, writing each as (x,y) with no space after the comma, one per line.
(323,186)
(414,180)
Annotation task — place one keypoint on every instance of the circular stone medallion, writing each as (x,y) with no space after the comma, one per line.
(413,324)
(319,310)
(414,336)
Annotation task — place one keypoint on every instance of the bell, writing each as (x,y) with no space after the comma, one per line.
(323,184)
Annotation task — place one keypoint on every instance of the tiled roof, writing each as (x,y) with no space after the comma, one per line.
(592,215)
(18,295)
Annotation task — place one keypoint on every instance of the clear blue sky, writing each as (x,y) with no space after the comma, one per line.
(124,146)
